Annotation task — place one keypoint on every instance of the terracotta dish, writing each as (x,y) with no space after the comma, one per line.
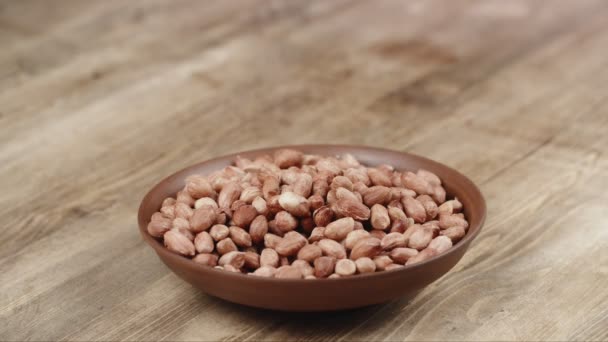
(321,294)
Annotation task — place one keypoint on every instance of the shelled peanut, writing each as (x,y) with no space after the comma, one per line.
(301,216)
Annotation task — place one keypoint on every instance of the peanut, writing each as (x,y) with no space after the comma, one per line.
(345,267)
(269,257)
(379,217)
(225,246)
(203,243)
(178,243)
(324,266)
(365,265)
(332,248)
(219,232)
(206,259)
(366,247)
(339,229)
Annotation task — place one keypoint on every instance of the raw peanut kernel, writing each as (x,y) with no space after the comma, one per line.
(414,209)
(323,216)
(423,255)
(353,237)
(291,244)
(158,227)
(240,236)
(205,201)
(379,217)
(379,177)
(339,229)
(202,219)
(341,182)
(243,216)
(283,261)
(324,266)
(365,265)
(285,221)
(332,248)
(294,204)
(447,208)
(398,226)
(186,233)
(352,208)
(288,272)
(265,271)
(382,262)
(270,187)
(178,243)
(182,210)
(225,246)
(198,186)
(438,194)
(303,185)
(206,259)
(168,211)
(320,187)
(290,175)
(229,193)
(316,202)
(260,205)
(429,206)
(258,228)
(393,267)
(285,158)
(184,197)
(393,240)
(428,176)
(378,234)
(317,234)
(234,258)
(366,247)
(168,201)
(269,257)
(345,267)
(252,260)
(358,175)
(441,244)
(304,267)
(447,221)
(219,232)
(250,193)
(401,255)
(236,205)
(396,214)
(376,195)
(420,238)
(309,253)
(454,233)
(343,193)
(418,184)
(204,243)
(271,240)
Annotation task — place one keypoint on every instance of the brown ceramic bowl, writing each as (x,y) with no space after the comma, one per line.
(321,294)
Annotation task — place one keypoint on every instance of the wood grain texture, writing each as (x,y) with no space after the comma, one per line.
(101,99)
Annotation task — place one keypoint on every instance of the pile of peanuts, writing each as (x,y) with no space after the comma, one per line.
(295,215)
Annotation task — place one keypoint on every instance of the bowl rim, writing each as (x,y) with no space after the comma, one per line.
(161,249)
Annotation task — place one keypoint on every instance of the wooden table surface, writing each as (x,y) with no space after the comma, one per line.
(101,99)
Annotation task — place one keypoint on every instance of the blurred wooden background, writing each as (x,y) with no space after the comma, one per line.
(101,99)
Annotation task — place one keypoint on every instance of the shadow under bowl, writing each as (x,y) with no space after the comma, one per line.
(322,294)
